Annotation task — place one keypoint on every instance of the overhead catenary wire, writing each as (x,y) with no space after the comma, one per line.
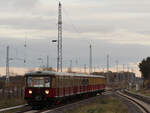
(71,21)
(73,26)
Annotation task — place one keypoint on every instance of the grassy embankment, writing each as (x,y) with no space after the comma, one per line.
(13,111)
(102,105)
(9,102)
(145,92)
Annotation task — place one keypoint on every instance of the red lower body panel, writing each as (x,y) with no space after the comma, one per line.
(60,92)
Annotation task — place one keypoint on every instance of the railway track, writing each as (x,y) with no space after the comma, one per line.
(146,99)
(142,103)
(27,109)
(63,107)
(139,103)
(2,110)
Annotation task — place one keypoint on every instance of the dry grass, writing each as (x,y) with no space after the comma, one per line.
(13,111)
(102,105)
(145,92)
(5,102)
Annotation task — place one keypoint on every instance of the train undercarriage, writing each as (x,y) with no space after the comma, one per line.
(41,101)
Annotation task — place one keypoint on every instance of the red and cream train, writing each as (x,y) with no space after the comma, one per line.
(46,87)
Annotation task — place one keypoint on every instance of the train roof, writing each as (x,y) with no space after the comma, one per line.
(52,73)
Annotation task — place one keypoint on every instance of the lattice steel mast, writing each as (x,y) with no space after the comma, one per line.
(59,58)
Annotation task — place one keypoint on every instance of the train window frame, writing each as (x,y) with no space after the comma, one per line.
(50,80)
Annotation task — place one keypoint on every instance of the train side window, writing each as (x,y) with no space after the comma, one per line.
(47,82)
(29,82)
(57,82)
(69,82)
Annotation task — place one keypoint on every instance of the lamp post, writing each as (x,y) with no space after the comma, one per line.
(54,41)
(7,64)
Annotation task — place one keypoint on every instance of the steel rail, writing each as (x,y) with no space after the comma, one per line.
(14,107)
(139,103)
(67,105)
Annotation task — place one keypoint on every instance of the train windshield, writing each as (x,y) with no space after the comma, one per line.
(38,81)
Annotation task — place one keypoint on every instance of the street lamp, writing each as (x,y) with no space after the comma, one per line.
(54,41)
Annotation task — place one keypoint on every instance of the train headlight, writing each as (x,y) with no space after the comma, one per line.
(30,91)
(47,92)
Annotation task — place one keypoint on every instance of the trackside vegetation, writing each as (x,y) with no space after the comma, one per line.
(10,102)
(145,71)
(102,105)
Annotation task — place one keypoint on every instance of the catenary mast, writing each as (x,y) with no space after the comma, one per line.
(7,65)
(59,58)
(90,60)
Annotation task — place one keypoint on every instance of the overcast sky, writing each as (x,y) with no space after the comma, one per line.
(119,28)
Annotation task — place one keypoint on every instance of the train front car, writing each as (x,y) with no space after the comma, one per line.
(38,90)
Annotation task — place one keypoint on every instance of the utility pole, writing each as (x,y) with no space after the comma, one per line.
(70,65)
(117,66)
(90,60)
(47,62)
(103,68)
(132,70)
(128,68)
(99,68)
(117,70)
(76,62)
(123,67)
(84,68)
(7,65)
(107,69)
(107,63)
(25,47)
(94,69)
(59,57)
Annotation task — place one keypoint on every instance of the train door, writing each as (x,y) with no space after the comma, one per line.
(57,86)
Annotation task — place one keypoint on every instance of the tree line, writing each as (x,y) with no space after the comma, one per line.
(144,67)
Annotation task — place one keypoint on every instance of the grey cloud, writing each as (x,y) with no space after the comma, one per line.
(10,5)
(25,3)
(92,18)
(109,6)
(37,22)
